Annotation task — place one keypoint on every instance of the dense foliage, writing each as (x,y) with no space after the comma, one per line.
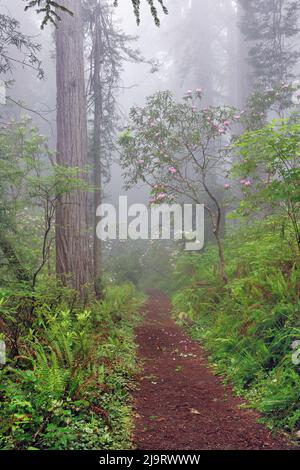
(69,362)
(68,387)
(250,325)
(69,303)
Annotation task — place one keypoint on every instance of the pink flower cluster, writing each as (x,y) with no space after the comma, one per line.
(172,170)
(246,183)
(159,198)
(189,93)
(219,127)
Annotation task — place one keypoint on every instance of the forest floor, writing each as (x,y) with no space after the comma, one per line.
(179,403)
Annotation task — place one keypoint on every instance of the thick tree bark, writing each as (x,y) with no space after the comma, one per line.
(73,254)
(97,91)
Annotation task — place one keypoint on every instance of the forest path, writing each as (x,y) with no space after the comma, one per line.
(179,403)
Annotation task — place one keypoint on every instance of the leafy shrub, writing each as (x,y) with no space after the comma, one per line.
(68,388)
(249,325)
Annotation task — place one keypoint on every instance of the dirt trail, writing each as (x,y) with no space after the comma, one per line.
(180,404)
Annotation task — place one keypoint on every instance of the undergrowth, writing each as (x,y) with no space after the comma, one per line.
(68,387)
(249,325)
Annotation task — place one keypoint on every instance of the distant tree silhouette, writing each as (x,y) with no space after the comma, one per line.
(270,28)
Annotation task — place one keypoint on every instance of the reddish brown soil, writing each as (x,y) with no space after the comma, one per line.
(180,404)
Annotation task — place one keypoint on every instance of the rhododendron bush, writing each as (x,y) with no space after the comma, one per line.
(270,157)
(175,146)
(178,149)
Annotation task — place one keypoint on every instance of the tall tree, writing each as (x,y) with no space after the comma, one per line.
(97,92)
(237,53)
(269,27)
(74,261)
(191,46)
(107,47)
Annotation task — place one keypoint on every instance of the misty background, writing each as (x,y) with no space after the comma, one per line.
(198,45)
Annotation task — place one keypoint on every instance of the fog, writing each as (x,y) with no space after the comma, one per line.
(149,200)
(188,51)
(228,50)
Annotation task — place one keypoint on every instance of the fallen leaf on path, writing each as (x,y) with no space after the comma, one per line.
(195,412)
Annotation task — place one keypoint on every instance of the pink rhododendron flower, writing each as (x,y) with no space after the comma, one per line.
(161,196)
(226,123)
(237,117)
(227,186)
(172,170)
(248,183)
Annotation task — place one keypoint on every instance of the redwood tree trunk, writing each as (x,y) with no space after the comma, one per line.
(97,91)
(73,255)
